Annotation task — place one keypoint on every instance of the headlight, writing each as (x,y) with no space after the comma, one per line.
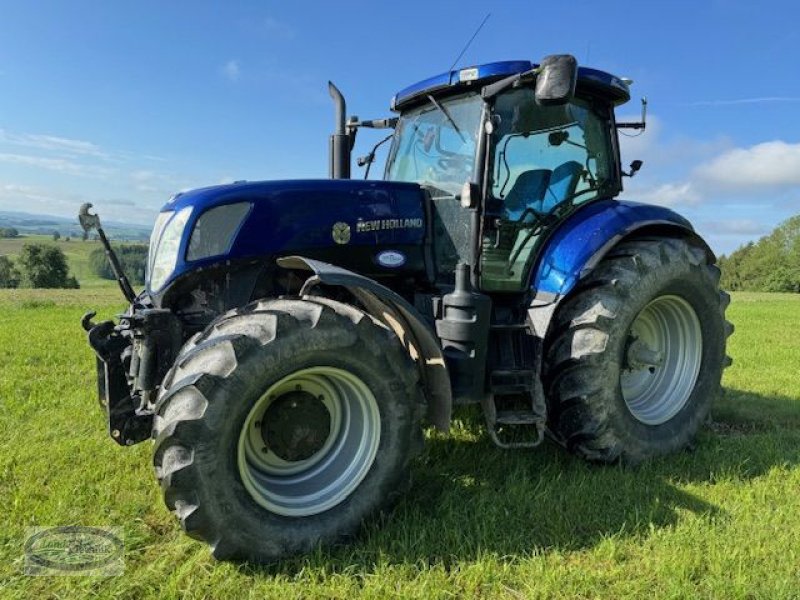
(155,237)
(215,230)
(165,250)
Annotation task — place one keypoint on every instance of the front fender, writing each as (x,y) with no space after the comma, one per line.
(400,316)
(583,239)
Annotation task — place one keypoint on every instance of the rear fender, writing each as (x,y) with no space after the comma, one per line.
(397,314)
(581,242)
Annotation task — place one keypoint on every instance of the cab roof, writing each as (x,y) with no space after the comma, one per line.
(592,81)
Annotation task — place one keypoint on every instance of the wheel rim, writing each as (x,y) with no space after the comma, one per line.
(662,360)
(294,467)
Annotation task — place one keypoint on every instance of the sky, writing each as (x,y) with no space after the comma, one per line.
(123,104)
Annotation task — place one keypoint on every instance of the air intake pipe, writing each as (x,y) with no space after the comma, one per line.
(340,142)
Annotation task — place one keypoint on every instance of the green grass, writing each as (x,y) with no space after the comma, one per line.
(76,250)
(722,521)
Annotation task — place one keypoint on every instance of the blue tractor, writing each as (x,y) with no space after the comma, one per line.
(294,337)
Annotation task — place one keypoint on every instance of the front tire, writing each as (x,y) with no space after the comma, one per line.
(636,354)
(284,425)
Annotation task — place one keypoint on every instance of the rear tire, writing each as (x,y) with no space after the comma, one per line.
(261,379)
(635,355)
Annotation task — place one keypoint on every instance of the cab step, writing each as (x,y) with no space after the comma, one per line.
(516,417)
(511,381)
(514,409)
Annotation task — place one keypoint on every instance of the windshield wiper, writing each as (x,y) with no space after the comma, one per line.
(448,117)
(495,88)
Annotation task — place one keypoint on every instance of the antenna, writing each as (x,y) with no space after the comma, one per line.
(474,35)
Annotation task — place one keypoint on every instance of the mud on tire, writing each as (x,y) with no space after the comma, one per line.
(588,352)
(207,398)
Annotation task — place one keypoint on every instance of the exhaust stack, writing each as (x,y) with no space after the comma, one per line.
(339,148)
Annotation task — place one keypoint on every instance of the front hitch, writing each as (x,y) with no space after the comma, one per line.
(127,424)
(132,359)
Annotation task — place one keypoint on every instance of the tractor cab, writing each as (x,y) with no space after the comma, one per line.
(481,138)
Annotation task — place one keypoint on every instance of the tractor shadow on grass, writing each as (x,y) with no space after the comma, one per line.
(471,500)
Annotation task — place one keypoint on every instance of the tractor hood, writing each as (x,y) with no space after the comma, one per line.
(368,225)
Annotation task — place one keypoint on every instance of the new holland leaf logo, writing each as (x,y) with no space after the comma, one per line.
(341,233)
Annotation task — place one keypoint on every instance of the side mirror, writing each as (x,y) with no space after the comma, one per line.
(557,138)
(635,166)
(558,75)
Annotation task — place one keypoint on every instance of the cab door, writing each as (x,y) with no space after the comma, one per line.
(544,161)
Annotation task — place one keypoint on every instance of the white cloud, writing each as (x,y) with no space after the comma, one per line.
(152,182)
(147,176)
(743,172)
(232,70)
(735,227)
(60,165)
(659,154)
(19,197)
(57,202)
(119,202)
(732,194)
(12,190)
(68,148)
(775,163)
(639,144)
(736,101)
(53,143)
(667,194)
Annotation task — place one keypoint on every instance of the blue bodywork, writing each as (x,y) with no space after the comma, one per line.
(601,83)
(289,217)
(580,241)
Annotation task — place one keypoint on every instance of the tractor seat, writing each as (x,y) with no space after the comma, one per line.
(562,185)
(528,191)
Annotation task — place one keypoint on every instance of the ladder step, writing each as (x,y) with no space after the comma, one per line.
(519,427)
(512,373)
(516,417)
(511,382)
(511,389)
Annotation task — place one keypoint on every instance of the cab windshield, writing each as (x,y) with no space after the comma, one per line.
(435,144)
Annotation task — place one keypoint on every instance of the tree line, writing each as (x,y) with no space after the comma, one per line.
(45,266)
(772,264)
(132,257)
(37,266)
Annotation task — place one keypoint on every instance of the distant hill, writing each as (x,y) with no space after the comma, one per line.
(772,264)
(33,224)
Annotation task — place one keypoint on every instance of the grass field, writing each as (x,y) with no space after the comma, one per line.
(721,521)
(76,250)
